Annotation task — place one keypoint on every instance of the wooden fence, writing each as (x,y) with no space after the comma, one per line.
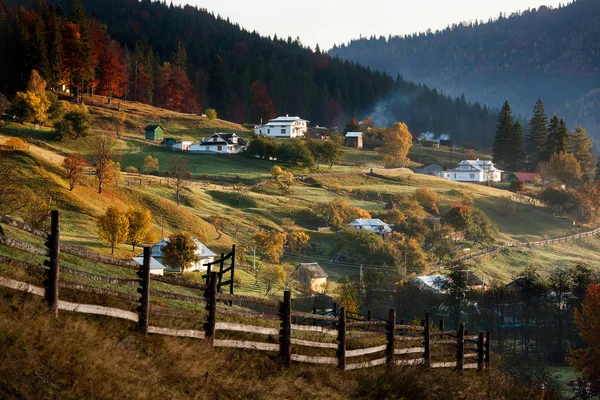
(243,322)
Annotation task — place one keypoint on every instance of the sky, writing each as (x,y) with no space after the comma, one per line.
(329,22)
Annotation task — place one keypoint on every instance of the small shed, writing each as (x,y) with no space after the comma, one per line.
(355,140)
(169,142)
(526,177)
(446,143)
(311,276)
(154,132)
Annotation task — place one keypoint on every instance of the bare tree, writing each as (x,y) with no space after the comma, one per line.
(103,150)
(179,170)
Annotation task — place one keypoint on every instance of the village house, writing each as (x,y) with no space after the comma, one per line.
(376,226)
(320,133)
(184,145)
(431,169)
(473,171)
(219,143)
(205,256)
(311,276)
(284,127)
(154,133)
(354,140)
(156,268)
(169,142)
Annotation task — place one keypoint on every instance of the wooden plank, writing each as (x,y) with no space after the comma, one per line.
(412,361)
(313,328)
(363,335)
(310,343)
(22,286)
(366,323)
(21,264)
(472,355)
(313,316)
(243,344)
(368,350)
(119,262)
(177,332)
(314,360)
(410,350)
(449,364)
(98,310)
(472,337)
(247,299)
(94,277)
(409,338)
(23,246)
(23,226)
(229,326)
(366,364)
(470,366)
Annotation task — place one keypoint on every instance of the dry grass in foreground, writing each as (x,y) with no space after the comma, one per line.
(93,357)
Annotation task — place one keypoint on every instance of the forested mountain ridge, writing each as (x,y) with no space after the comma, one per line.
(549,53)
(223,61)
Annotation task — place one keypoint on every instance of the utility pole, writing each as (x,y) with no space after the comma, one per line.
(361,276)
(254,259)
(162,233)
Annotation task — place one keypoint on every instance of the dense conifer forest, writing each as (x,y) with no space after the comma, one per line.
(144,47)
(552,53)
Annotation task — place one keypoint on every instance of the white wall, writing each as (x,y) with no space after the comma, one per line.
(292,130)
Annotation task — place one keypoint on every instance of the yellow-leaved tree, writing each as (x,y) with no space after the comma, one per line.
(113,227)
(284,179)
(271,275)
(180,252)
(140,223)
(150,164)
(271,244)
(298,241)
(32,105)
(396,144)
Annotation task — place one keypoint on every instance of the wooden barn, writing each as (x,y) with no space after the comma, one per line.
(154,132)
(311,276)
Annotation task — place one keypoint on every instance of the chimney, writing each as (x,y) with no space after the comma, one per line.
(287,115)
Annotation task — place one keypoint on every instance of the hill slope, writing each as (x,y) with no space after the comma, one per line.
(552,53)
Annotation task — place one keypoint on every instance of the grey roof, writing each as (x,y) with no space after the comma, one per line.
(152,127)
(286,119)
(374,225)
(312,269)
(224,138)
(154,264)
(354,134)
(201,249)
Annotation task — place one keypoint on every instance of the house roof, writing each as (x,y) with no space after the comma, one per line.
(313,270)
(431,282)
(287,118)
(224,138)
(526,176)
(374,225)
(152,127)
(201,249)
(476,165)
(154,264)
(354,134)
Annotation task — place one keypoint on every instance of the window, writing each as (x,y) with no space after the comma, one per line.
(472,176)
(268,131)
(283,131)
(454,176)
(215,139)
(219,148)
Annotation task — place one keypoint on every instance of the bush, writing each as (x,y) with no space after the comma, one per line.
(16,144)
(428,199)
(506,206)
(517,186)
(132,170)
(211,114)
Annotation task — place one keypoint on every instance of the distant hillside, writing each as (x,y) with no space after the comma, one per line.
(552,53)
(323,89)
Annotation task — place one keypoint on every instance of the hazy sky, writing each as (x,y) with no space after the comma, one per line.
(329,22)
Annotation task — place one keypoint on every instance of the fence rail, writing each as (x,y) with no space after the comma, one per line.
(297,332)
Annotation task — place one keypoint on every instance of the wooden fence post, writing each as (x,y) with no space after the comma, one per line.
(488,346)
(53,264)
(480,351)
(211,306)
(427,340)
(460,347)
(441,325)
(221,262)
(341,351)
(285,334)
(144,290)
(391,335)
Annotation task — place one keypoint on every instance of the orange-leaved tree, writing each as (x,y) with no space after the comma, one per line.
(587,320)
(73,165)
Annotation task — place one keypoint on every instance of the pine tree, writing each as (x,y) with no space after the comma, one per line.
(504,130)
(219,89)
(581,147)
(558,137)
(515,149)
(54,52)
(538,136)
(563,137)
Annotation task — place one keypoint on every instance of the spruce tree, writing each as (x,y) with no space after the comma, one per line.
(219,89)
(504,130)
(538,136)
(563,137)
(515,149)
(558,137)
(581,147)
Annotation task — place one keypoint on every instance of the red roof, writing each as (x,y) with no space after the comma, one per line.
(526,176)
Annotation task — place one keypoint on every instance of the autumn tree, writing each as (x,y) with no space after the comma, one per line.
(428,199)
(458,217)
(338,213)
(140,223)
(581,147)
(113,227)
(74,125)
(179,170)
(271,244)
(217,222)
(481,230)
(181,251)
(517,186)
(562,168)
(298,241)
(32,105)
(347,294)
(112,71)
(150,164)
(35,211)
(587,320)
(16,144)
(211,114)
(73,165)
(270,276)
(284,179)
(397,141)
(103,150)
(440,243)
(261,108)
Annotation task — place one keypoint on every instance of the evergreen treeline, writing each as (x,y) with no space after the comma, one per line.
(515,152)
(242,75)
(552,53)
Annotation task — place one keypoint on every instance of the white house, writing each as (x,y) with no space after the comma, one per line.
(373,225)
(284,127)
(156,268)
(204,254)
(184,145)
(473,171)
(219,143)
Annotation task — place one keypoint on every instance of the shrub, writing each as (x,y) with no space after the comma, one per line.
(211,114)
(517,186)
(132,170)
(428,199)
(16,144)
